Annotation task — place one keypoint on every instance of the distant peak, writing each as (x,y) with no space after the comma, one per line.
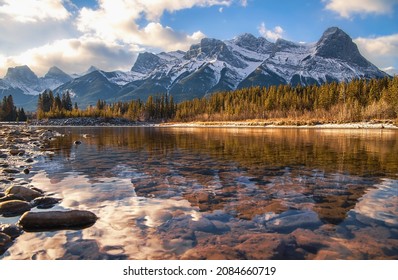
(55,70)
(334,32)
(92,69)
(19,68)
(17,71)
(245,36)
(210,41)
(56,73)
(146,62)
(335,43)
(206,47)
(281,43)
(147,55)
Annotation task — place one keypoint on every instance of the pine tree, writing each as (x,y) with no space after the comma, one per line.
(21,115)
(67,101)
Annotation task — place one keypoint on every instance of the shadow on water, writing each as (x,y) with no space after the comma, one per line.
(216,193)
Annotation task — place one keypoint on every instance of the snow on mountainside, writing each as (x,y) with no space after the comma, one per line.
(214,65)
(209,66)
(23,78)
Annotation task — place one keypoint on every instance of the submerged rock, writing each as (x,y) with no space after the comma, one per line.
(291,220)
(27,194)
(10,197)
(14,207)
(17,152)
(11,170)
(45,202)
(57,220)
(5,242)
(11,230)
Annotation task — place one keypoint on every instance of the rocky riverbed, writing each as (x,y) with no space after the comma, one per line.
(20,148)
(88,122)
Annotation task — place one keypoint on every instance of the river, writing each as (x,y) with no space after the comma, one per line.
(220,193)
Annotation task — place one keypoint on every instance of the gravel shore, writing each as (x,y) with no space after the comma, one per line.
(20,147)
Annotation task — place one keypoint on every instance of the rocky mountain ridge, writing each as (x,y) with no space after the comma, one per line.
(209,66)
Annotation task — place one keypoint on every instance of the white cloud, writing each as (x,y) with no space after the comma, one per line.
(382,51)
(243,3)
(346,8)
(115,20)
(33,10)
(72,55)
(272,35)
(107,35)
(156,35)
(154,9)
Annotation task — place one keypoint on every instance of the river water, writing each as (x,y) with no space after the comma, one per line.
(220,193)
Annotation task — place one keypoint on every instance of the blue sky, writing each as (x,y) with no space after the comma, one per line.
(109,34)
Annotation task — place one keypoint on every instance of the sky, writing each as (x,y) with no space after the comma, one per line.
(109,34)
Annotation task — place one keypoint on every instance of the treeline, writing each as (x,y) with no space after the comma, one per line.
(10,113)
(50,106)
(358,100)
(161,107)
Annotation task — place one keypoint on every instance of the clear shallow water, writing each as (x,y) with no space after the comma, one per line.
(213,193)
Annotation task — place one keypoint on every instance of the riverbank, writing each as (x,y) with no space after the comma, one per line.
(288,124)
(21,147)
(374,124)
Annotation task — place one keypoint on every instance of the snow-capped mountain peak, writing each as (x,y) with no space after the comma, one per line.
(209,66)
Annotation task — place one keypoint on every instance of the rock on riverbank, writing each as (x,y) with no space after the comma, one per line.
(87,122)
(20,147)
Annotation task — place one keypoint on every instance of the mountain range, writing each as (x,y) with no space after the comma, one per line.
(209,66)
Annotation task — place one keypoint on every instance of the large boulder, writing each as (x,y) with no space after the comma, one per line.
(56,220)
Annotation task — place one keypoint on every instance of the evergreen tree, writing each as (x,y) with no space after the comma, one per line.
(21,115)
(67,101)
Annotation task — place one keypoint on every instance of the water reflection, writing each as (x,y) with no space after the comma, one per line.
(168,193)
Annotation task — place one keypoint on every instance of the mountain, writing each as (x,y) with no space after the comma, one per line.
(215,65)
(209,66)
(89,88)
(23,78)
(24,85)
